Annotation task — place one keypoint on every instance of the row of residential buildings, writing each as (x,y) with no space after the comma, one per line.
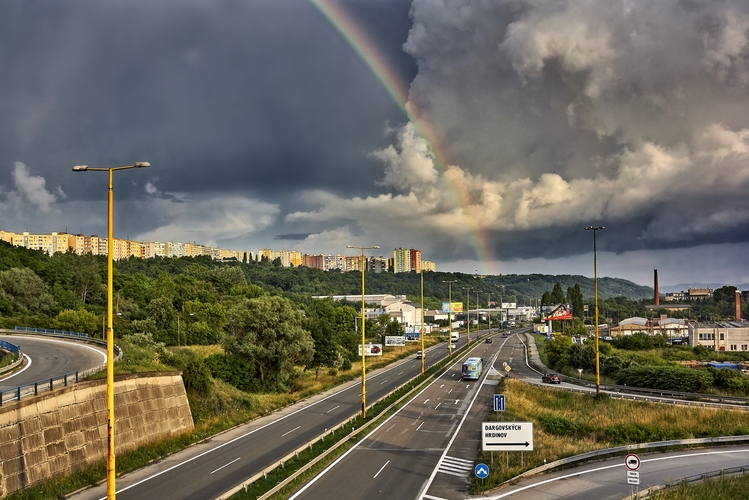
(403,260)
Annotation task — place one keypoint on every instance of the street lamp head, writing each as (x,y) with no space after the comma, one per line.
(80,168)
(141,164)
(591,228)
(376,246)
(350,246)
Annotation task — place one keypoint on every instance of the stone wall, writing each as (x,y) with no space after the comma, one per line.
(65,430)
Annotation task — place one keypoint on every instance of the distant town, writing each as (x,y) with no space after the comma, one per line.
(404,260)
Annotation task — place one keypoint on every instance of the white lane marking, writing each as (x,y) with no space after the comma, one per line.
(610,467)
(419,427)
(292,430)
(383,382)
(19,371)
(200,455)
(227,465)
(441,386)
(430,497)
(452,374)
(449,391)
(456,401)
(400,373)
(425,402)
(334,408)
(388,429)
(438,405)
(468,386)
(378,472)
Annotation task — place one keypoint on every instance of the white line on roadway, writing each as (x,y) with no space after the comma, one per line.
(19,371)
(292,430)
(611,467)
(227,465)
(333,409)
(378,472)
(438,405)
(419,427)
(449,391)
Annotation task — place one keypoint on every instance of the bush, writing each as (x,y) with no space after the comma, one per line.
(671,378)
(197,377)
(346,364)
(560,426)
(237,371)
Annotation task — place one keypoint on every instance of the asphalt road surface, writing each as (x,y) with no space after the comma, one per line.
(606,480)
(400,457)
(214,467)
(50,357)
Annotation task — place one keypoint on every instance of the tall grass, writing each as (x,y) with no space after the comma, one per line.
(726,488)
(567,424)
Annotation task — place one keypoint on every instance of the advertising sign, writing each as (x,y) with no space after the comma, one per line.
(509,305)
(371,350)
(395,340)
(507,436)
(457,307)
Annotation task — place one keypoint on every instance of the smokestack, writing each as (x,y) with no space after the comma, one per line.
(655,285)
(738,305)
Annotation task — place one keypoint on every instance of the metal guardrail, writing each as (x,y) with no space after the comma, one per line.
(16,350)
(49,330)
(34,388)
(625,449)
(697,478)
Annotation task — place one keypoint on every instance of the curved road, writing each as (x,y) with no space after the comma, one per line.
(50,357)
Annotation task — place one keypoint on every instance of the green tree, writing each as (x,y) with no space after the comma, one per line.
(557,351)
(575,299)
(86,277)
(725,294)
(78,320)
(25,292)
(268,331)
(557,295)
(546,298)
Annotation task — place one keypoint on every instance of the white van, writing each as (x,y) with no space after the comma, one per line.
(454,336)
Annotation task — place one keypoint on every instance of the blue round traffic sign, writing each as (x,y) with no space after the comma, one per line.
(481,471)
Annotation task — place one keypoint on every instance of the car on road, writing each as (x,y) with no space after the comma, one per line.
(455,346)
(551,378)
(418,354)
(488,340)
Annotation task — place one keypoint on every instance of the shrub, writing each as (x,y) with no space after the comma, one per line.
(197,376)
(560,426)
(672,378)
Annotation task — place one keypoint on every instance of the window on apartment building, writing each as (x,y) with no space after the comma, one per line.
(722,336)
(743,347)
(733,347)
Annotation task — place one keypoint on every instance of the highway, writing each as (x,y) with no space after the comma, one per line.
(396,459)
(215,466)
(50,357)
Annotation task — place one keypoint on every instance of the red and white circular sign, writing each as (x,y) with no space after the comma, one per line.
(632,461)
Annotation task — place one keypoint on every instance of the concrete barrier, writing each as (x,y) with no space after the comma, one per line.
(65,430)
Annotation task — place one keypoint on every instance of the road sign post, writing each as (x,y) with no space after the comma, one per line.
(507,436)
(632,461)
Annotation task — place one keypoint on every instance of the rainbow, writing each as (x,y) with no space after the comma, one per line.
(357,38)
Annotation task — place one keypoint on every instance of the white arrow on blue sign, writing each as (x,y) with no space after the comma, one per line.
(481,471)
(499,402)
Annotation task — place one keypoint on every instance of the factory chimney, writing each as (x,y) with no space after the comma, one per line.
(738,305)
(655,285)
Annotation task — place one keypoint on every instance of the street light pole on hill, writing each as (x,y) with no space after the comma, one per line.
(595,278)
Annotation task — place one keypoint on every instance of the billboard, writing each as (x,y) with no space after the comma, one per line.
(457,307)
(395,340)
(371,350)
(509,305)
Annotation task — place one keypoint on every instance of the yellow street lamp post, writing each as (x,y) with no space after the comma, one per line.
(478,321)
(110,331)
(363,363)
(595,279)
(422,321)
(449,314)
(468,311)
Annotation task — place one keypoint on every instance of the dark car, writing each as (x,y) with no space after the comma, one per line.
(489,340)
(551,378)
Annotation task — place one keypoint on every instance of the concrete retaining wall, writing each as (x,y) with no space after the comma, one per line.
(65,430)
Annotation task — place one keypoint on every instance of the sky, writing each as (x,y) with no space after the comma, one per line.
(486,133)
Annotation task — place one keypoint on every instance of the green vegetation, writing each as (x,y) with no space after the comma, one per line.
(724,488)
(568,424)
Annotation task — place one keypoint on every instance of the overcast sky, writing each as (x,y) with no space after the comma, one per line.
(266,128)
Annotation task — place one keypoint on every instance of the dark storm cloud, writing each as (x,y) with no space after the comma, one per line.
(293,236)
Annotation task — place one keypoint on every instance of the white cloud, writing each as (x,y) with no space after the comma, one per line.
(207,220)
(33,188)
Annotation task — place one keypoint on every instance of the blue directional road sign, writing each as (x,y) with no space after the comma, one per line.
(499,402)
(481,471)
